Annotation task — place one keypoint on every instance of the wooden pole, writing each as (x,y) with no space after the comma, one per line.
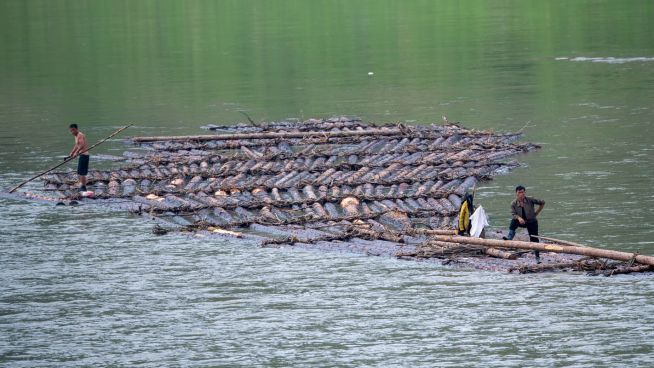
(269,135)
(563,242)
(433,232)
(583,251)
(493,252)
(69,159)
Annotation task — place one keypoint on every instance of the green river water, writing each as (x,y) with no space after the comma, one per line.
(85,287)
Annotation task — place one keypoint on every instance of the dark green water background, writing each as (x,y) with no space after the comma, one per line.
(83,287)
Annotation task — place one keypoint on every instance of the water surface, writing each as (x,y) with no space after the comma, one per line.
(85,287)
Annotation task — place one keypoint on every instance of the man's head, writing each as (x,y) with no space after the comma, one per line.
(520,192)
(73,129)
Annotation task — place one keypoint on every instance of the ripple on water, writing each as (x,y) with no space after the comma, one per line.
(80,286)
(607,60)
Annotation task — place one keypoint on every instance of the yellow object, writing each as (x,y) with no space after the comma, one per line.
(464,216)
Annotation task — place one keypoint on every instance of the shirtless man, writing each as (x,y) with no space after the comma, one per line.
(80,149)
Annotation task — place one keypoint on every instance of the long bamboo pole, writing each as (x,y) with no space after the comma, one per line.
(69,159)
(583,251)
(270,135)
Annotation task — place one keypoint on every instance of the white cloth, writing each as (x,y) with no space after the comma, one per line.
(478,221)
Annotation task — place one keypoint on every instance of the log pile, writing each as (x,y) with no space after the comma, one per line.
(339,184)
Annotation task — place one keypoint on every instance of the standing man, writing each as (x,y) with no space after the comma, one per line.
(522,209)
(80,149)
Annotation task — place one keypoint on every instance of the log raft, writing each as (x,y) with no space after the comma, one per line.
(337,184)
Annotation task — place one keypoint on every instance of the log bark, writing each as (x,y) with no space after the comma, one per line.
(626,270)
(583,251)
(563,242)
(433,232)
(575,265)
(350,206)
(217,230)
(272,135)
(497,253)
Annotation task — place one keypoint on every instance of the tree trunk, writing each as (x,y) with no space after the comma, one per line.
(563,242)
(273,135)
(583,251)
(433,232)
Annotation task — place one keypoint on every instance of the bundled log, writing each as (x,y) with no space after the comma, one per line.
(316,183)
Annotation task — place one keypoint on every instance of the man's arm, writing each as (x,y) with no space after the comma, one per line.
(80,143)
(514,213)
(75,150)
(540,204)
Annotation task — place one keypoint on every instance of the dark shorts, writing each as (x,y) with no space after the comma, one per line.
(83,165)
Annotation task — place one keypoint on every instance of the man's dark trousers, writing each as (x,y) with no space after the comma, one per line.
(532,229)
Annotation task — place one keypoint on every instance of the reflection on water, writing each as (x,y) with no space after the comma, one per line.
(81,286)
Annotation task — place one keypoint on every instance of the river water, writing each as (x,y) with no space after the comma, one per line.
(86,287)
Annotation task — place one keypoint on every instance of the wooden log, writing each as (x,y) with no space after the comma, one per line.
(112,188)
(447,206)
(433,232)
(267,214)
(355,176)
(364,233)
(583,251)
(395,220)
(426,205)
(358,191)
(217,230)
(436,248)
(280,183)
(272,135)
(251,153)
(455,200)
(350,206)
(319,210)
(559,241)
(575,265)
(497,253)
(415,206)
(423,188)
(332,210)
(295,195)
(467,184)
(223,215)
(626,270)
(274,193)
(323,191)
(379,191)
(309,193)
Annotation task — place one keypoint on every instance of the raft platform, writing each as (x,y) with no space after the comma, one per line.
(337,184)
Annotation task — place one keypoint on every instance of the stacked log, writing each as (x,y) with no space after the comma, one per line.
(340,179)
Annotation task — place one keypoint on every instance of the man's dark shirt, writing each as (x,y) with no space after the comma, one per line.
(525,209)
